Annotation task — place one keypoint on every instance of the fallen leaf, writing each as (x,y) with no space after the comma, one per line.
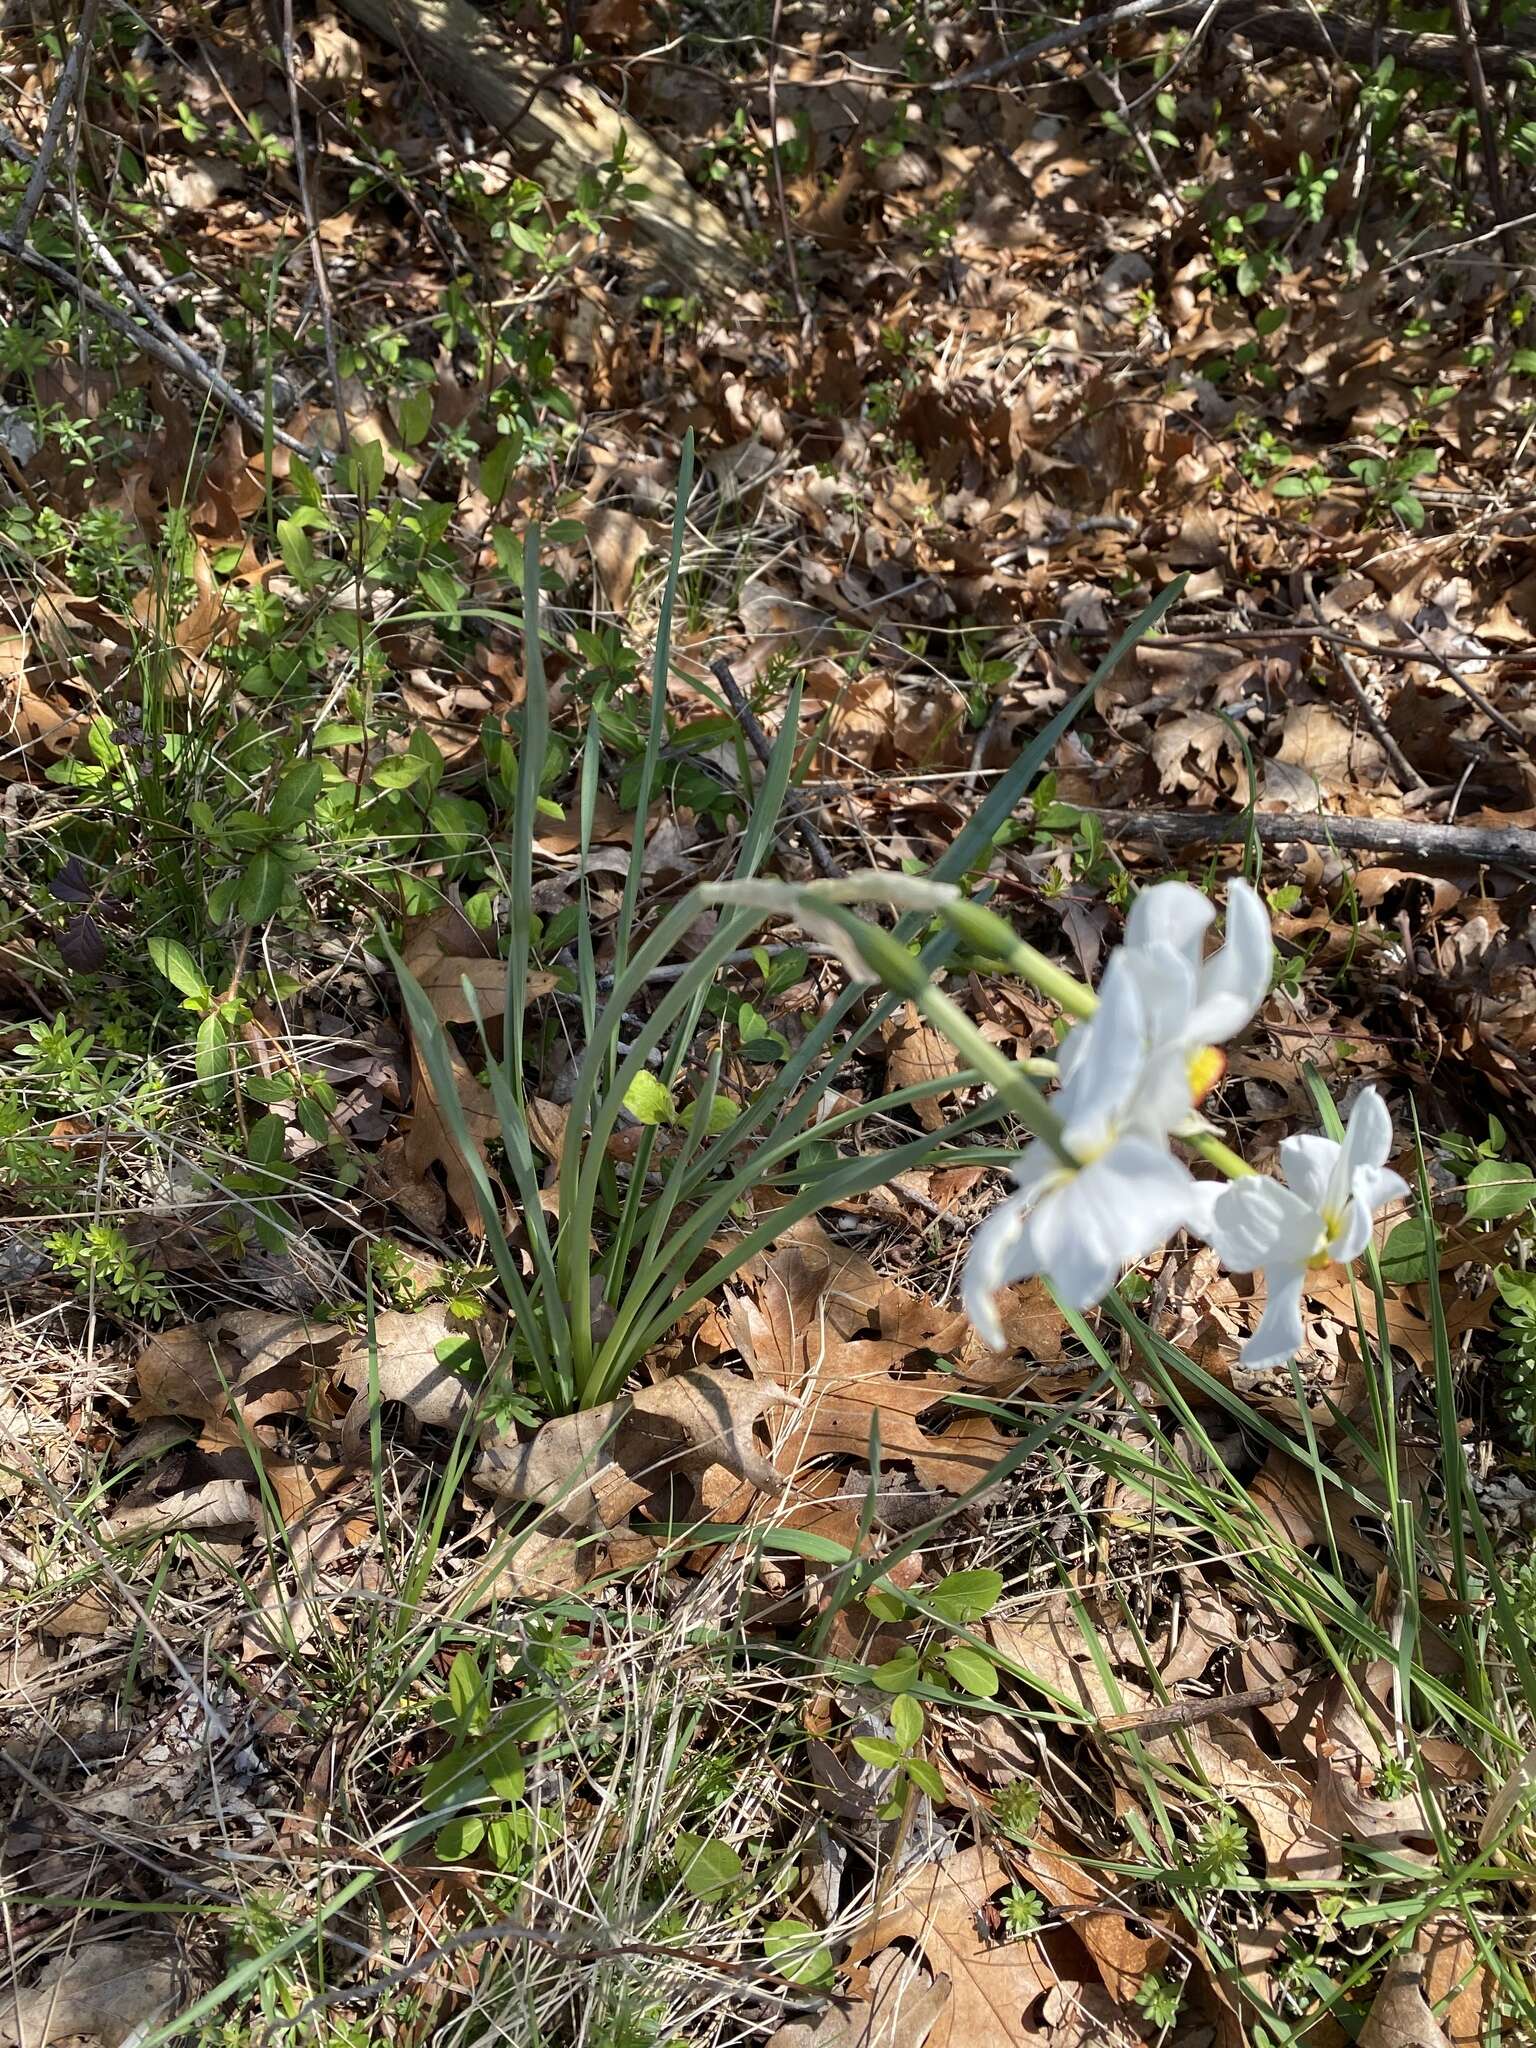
(409,1370)
(596,1466)
(799,1326)
(1049,1647)
(221,1504)
(996,1985)
(103,1993)
(1185,751)
(244,1356)
(1350,1754)
(1122,1957)
(1455,1981)
(898,2008)
(916,1053)
(619,544)
(1329,751)
(1400,2016)
(1276,1799)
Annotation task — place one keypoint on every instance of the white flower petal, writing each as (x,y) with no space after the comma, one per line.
(1169,914)
(1367,1141)
(1280,1333)
(1163,1101)
(998,1256)
(1167,984)
(1307,1163)
(1255,1221)
(1129,1201)
(1235,981)
(1106,1065)
(1378,1185)
(1353,1233)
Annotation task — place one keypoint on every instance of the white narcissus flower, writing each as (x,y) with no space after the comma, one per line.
(1194,1004)
(1119,1193)
(1320,1217)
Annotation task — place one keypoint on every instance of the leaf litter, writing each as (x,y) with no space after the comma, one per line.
(919,475)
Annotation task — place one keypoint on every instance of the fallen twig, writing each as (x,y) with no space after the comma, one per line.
(1408,776)
(158,339)
(311,221)
(1432,846)
(821,855)
(63,99)
(1299,29)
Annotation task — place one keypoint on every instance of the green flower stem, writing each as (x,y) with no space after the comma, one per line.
(985,932)
(1207,1146)
(895,966)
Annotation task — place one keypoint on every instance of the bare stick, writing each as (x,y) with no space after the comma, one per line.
(1431,846)
(778,167)
(312,227)
(821,855)
(1402,767)
(53,129)
(1487,124)
(1072,37)
(159,343)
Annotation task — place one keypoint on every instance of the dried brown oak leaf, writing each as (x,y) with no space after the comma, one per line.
(896,2008)
(997,1985)
(1122,1957)
(595,1467)
(1400,2015)
(1351,1747)
(102,1994)
(441,954)
(409,1370)
(914,1054)
(252,1359)
(1455,1981)
(222,1504)
(801,1326)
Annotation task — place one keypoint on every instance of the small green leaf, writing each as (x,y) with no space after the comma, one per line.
(294,797)
(879,1751)
(1405,1255)
(885,1605)
(398,772)
(906,1720)
(965,1596)
(722,1114)
(971,1671)
(898,1673)
(467,1693)
(648,1102)
(262,886)
(174,961)
(793,1950)
(708,1869)
(413,416)
(457,1839)
(1497,1188)
(925,1777)
(213,1056)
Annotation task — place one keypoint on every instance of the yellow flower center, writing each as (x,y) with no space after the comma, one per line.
(1332,1225)
(1205,1069)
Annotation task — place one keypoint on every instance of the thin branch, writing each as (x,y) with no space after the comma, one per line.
(58,113)
(1072,37)
(1408,776)
(159,342)
(1487,124)
(1426,845)
(821,855)
(312,225)
(801,312)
